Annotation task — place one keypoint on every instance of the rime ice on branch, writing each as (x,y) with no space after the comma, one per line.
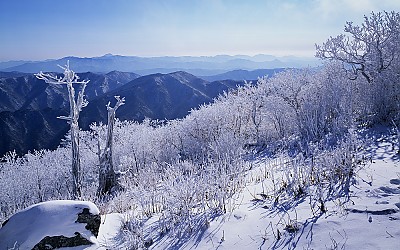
(76,104)
(368,49)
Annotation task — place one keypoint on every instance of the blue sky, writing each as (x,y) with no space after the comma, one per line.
(44,29)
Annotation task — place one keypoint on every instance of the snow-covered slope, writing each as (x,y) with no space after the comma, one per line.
(368,218)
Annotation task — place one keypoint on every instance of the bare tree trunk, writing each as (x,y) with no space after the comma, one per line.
(108,181)
(76,163)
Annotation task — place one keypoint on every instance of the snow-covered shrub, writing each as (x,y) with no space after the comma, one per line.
(36,177)
(370,51)
(310,103)
(131,235)
(324,174)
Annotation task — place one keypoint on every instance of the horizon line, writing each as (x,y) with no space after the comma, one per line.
(158,56)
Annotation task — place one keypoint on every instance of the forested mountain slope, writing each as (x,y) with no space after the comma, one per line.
(158,96)
(29,107)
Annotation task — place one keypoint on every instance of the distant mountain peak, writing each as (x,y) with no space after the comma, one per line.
(181,73)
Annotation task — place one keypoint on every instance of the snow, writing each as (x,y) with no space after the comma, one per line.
(109,229)
(52,218)
(368,218)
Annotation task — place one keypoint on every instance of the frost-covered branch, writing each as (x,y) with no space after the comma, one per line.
(69,77)
(369,49)
(119,103)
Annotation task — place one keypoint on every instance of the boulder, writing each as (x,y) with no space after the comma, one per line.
(51,225)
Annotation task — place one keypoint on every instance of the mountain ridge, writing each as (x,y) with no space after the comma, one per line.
(240,74)
(201,65)
(29,107)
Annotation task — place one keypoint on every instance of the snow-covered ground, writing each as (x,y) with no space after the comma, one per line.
(368,219)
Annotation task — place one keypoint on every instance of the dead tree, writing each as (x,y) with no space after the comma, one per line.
(108,181)
(76,105)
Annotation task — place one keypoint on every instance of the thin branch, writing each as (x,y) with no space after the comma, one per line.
(64,117)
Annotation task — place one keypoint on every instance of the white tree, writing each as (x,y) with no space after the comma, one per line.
(370,49)
(76,104)
(107,177)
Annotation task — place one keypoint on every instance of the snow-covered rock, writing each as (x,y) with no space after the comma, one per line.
(51,225)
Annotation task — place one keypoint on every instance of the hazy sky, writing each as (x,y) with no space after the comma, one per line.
(43,29)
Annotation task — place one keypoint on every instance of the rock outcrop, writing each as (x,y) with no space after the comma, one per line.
(51,225)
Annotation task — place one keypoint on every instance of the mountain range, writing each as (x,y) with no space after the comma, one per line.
(200,66)
(160,88)
(29,107)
